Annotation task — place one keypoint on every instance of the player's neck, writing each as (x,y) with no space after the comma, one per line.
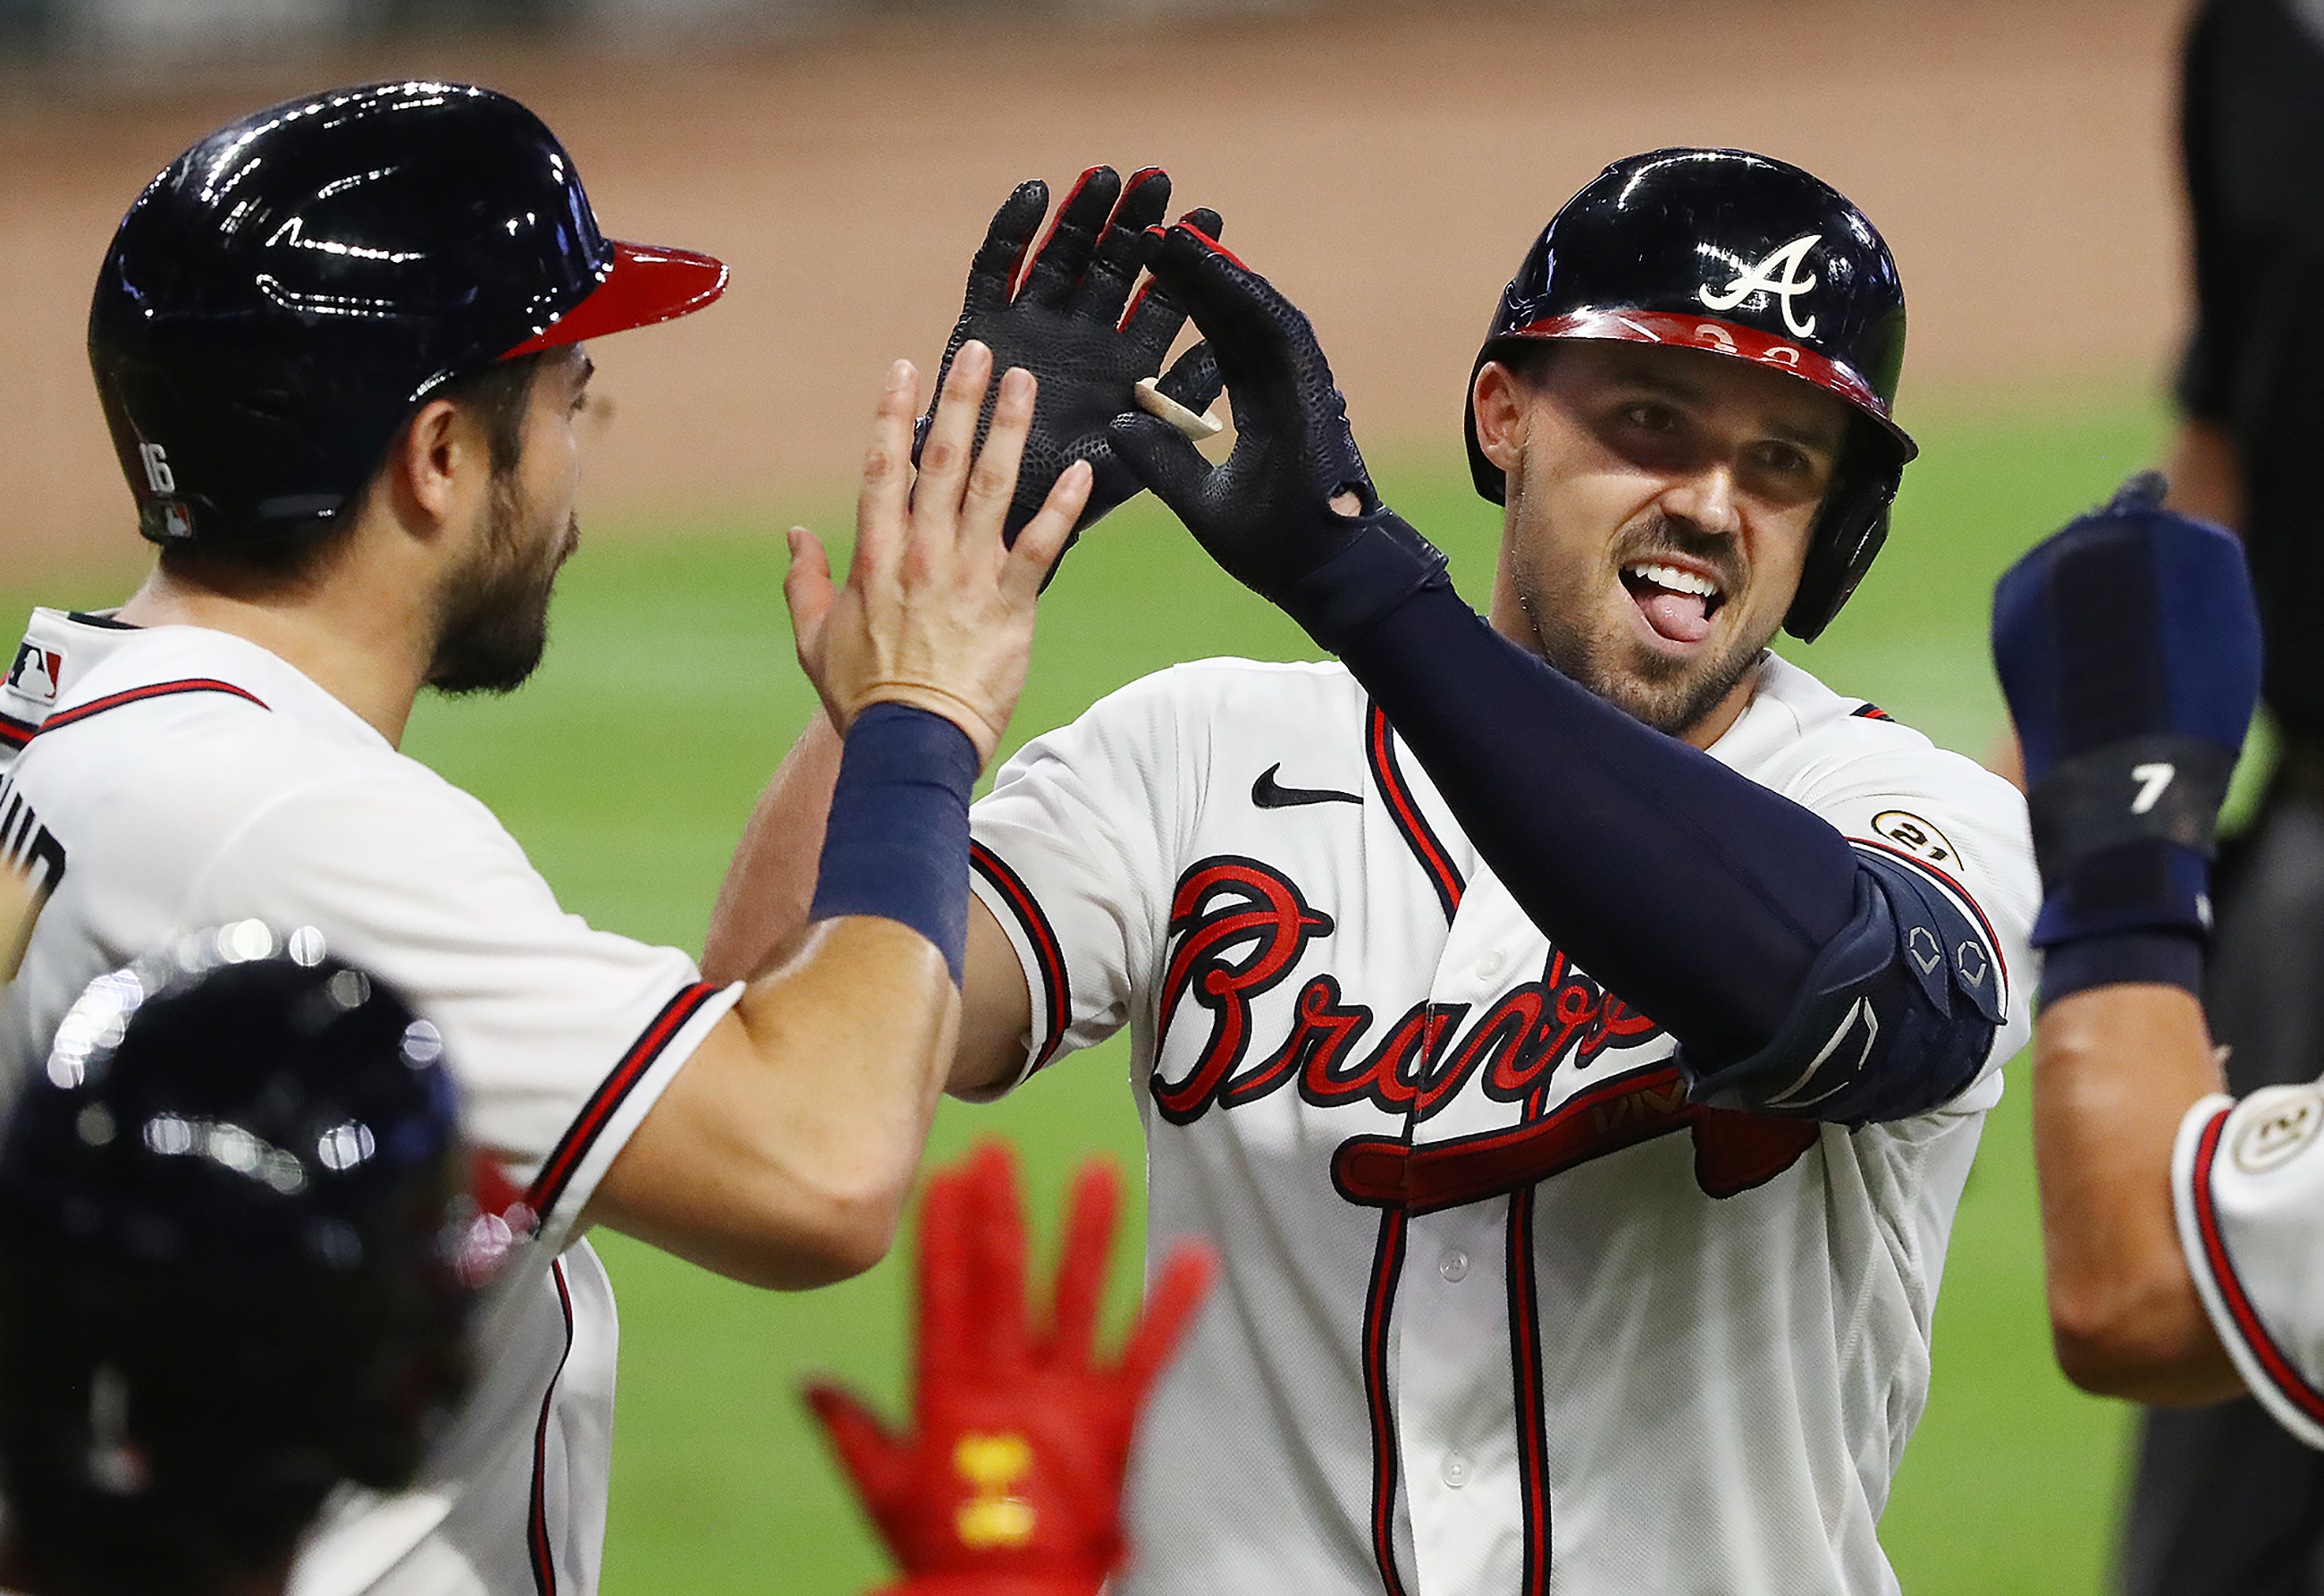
(363,628)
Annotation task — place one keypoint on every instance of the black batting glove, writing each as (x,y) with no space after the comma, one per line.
(1071,321)
(1266,515)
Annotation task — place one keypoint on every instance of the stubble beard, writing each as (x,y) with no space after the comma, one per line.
(1673,695)
(495,609)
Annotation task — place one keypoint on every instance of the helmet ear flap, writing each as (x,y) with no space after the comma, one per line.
(1848,534)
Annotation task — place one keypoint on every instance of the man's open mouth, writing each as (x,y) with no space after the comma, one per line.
(1677,604)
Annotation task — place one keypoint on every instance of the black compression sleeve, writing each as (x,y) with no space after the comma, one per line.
(1699,896)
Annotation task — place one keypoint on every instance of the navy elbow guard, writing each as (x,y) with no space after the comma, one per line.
(1897,1016)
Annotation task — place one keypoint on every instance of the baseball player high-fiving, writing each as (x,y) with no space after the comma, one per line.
(2181,1225)
(339,344)
(1572,1027)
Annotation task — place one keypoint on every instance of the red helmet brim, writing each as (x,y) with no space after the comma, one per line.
(1716,336)
(647,284)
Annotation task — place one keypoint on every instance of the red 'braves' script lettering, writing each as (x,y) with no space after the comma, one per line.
(1239,928)
(1242,927)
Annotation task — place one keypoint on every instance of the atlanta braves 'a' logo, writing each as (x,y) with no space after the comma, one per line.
(1762,279)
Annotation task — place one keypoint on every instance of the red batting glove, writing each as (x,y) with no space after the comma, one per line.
(1010,1482)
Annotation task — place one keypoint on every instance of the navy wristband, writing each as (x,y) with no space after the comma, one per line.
(897,842)
(2151,957)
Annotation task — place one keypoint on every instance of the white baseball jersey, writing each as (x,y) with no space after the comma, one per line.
(173,778)
(1501,1310)
(2247,1178)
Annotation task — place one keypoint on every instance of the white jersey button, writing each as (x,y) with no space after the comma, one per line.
(1455,1470)
(1454,1266)
(1491,964)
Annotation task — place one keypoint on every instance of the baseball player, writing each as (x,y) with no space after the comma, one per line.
(1009,1483)
(2180,1225)
(238,1251)
(2225,1500)
(338,346)
(1572,1028)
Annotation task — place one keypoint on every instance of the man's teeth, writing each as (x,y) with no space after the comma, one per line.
(1674,579)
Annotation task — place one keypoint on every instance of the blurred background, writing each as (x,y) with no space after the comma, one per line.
(1386,163)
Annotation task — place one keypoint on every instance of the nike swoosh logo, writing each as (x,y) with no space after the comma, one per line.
(1270,794)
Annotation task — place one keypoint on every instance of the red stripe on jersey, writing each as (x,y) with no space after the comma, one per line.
(536,1528)
(2281,1371)
(1379,753)
(81,712)
(15,733)
(1524,1367)
(1387,1266)
(557,1171)
(1048,953)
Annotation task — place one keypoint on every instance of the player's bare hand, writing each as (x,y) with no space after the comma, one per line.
(937,610)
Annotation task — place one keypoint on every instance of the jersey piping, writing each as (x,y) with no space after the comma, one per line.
(2281,1371)
(544,1556)
(557,1171)
(1525,1368)
(1379,753)
(95,706)
(1048,953)
(1379,1305)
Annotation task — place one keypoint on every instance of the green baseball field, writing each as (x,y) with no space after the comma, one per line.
(626,768)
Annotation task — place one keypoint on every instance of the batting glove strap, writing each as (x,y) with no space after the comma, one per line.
(2156,788)
(2124,835)
(1383,563)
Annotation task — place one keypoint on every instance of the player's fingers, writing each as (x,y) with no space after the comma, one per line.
(996,1226)
(884,501)
(1063,256)
(1155,321)
(992,271)
(1162,457)
(950,448)
(1239,311)
(992,480)
(1042,541)
(1083,1257)
(808,591)
(875,1460)
(1170,1309)
(1123,247)
(1193,379)
(947,1266)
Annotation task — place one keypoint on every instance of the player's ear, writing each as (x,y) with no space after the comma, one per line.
(438,467)
(1500,398)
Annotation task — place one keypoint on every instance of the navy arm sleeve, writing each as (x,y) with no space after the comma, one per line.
(1778,956)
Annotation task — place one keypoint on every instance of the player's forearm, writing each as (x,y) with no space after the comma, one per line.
(1699,895)
(763,901)
(781,1153)
(2115,1070)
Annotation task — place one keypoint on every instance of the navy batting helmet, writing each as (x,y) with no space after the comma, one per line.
(280,298)
(1745,257)
(238,1252)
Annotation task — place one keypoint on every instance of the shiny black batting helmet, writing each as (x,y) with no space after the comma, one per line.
(238,1249)
(1745,257)
(280,298)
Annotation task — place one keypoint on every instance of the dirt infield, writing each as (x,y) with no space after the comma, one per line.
(1386,165)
